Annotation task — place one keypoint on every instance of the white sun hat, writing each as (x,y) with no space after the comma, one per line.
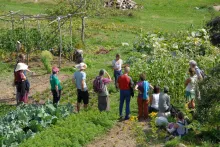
(81,66)
(192,62)
(21,66)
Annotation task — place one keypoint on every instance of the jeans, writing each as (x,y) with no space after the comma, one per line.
(116,75)
(125,95)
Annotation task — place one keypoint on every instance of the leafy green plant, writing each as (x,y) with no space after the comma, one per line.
(27,120)
(46,58)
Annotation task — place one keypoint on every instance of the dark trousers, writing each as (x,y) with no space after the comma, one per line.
(56,98)
(125,95)
(116,75)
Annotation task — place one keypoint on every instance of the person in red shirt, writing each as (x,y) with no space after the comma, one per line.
(124,83)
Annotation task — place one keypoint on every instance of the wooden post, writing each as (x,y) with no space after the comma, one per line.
(60,50)
(83,30)
(71,40)
(25,40)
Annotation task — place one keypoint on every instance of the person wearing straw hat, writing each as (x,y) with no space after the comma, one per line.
(79,79)
(55,85)
(21,59)
(20,80)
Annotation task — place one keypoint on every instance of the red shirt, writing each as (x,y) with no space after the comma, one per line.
(19,76)
(124,82)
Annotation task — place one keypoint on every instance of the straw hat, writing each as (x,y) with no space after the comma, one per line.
(81,66)
(21,66)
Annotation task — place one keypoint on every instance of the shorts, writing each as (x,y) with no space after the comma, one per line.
(82,96)
(189,95)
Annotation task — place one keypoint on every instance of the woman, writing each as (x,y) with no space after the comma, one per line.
(154,100)
(21,59)
(143,87)
(190,85)
(55,85)
(117,65)
(20,80)
(103,96)
(180,127)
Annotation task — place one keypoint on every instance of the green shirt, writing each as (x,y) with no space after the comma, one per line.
(54,81)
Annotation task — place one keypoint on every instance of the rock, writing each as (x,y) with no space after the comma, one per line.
(121,4)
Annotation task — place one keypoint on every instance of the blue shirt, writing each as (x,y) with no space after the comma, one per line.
(78,76)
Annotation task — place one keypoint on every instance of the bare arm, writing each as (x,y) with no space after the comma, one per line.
(82,85)
(187,81)
(136,87)
(108,76)
(151,86)
(151,99)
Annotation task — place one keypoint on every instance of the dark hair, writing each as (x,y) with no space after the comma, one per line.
(156,89)
(101,72)
(192,71)
(118,55)
(21,58)
(53,72)
(180,115)
(142,77)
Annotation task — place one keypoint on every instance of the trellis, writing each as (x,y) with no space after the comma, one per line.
(17,17)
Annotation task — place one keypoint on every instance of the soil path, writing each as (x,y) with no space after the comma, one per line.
(39,83)
(121,135)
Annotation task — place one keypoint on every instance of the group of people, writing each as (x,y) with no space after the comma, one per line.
(156,102)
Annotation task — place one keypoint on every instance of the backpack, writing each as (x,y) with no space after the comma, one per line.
(98,85)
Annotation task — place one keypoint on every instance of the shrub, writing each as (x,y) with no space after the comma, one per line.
(46,58)
(208,108)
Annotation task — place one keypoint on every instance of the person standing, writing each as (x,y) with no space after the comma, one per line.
(20,81)
(124,83)
(143,87)
(79,79)
(103,95)
(164,101)
(117,65)
(198,72)
(21,59)
(55,85)
(190,84)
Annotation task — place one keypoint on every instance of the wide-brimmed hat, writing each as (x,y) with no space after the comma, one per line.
(21,66)
(81,66)
(55,69)
(192,62)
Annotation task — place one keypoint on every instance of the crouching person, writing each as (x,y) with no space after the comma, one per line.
(180,127)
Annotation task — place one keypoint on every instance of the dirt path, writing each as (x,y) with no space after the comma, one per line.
(121,135)
(39,83)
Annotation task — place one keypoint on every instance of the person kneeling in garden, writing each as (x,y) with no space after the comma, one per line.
(180,127)
(99,86)
(143,87)
(164,101)
(154,100)
(55,85)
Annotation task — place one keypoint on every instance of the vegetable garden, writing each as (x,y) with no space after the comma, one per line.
(163,56)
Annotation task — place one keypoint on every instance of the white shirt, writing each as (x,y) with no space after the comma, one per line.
(117,64)
(192,85)
(155,101)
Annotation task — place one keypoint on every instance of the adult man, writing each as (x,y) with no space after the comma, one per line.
(117,64)
(164,101)
(193,64)
(124,83)
(103,99)
(79,78)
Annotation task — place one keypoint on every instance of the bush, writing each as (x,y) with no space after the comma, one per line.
(208,108)
(46,58)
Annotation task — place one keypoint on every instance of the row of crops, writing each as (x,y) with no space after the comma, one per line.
(163,57)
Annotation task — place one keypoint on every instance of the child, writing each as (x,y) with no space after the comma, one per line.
(179,128)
